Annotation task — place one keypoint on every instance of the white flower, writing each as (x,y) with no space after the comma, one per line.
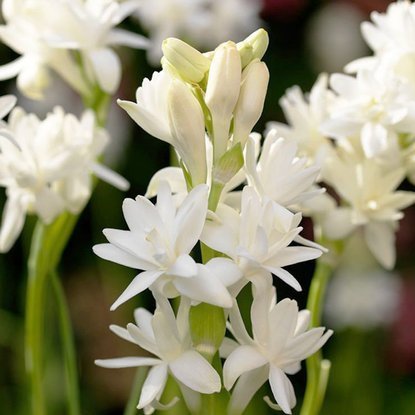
(362,298)
(279,173)
(391,37)
(46,167)
(257,237)
(168,110)
(159,242)
(370,199)
(374,107)
(168,338)
(84,26)
(305,115)
(281,340)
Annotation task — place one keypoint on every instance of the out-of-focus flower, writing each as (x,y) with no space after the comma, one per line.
(333,37)
(46,167)
(76,43)
(372,202)
(205,23)
(257,237)
(168,338)
(365,299)
(159,242)
(281,340)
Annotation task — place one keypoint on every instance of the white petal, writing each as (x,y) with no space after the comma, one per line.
(112,253)
(173,176)
(241,360)
(140,283)
(7,102)
(122,332)
(374,139)
(287,277)
(107,68)
(195,372)
(282,389)
(380,238)
(190,219)
(11,69)
(153,385)
(246,387)
(126,38)
(184,266)
(225,270)
(205,287)
(140,214)
(110,176)
(14,215)
(122,362)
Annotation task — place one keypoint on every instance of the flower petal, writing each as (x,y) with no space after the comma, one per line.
(121,362)
(195,372)
(153,385)
(282,389)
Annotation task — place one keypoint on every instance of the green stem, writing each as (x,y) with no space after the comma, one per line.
(69,354)
(316,378)
(48,242)
(140,375)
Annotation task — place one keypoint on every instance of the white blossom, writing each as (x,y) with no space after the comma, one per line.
(370,200)
(167,337)
(281,340)
(304,114)
(80,26)
(279,173)
(46,167)
(159,242)
(258,237)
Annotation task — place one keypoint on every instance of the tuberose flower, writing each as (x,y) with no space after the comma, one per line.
(281,340)
(167,337)
(159,242)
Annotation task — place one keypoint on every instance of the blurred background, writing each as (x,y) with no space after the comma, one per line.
(371,311)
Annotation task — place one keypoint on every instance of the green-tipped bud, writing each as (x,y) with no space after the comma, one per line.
(222,93)
(228,165)
(188,130)
(253,47)
(251,100)
(184,61)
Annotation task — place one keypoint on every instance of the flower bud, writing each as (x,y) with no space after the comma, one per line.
(188,130)
(184,61)
(251,100)
(222,93)
(253,47)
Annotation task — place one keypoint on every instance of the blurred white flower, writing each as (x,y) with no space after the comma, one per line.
(391,37)
(279,173)
(257,237)
(159,242)
(205,23)
(168,338)
(366,298)
(281,340)
(370,199)
(46,167)
(80,26)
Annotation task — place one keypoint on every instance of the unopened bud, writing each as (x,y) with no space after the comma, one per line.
(251,100)
(222,93)
(188,130)
(184,61)
(253,47)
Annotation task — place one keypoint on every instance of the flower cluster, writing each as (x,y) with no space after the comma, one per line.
(46,165)
(360,129)
(76,43)
(205,106)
